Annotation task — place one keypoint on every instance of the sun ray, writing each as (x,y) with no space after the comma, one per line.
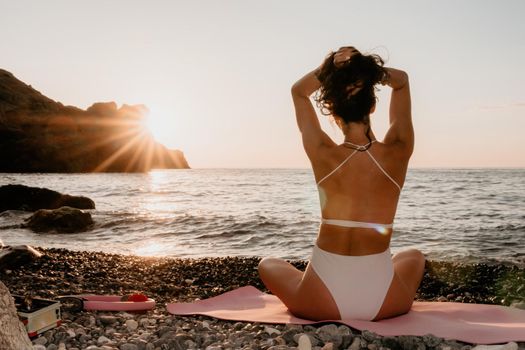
(106,163)
(148,154)
(136,155)
(118,136)
(159,158)
(175,160)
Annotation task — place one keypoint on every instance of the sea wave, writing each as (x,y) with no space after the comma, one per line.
(447,213)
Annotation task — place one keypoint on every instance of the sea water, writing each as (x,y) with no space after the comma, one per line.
(474,215)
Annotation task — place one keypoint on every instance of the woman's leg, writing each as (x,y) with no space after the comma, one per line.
(409,266)
(282,279)
(304,294)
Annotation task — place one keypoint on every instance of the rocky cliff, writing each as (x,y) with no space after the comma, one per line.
(38,134)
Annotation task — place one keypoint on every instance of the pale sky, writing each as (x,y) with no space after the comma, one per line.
(216,75)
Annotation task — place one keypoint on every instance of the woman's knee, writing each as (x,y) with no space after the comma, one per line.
(418,255)
(268,267)
(262,267)
(266,263)
(411,253)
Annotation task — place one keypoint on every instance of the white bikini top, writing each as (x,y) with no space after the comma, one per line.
(361,148)
(350,223)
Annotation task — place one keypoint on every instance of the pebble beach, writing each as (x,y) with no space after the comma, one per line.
(65,272)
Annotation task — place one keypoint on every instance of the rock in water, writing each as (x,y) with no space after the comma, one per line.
(15,256)
(20,197)
(13,335)
(65,219)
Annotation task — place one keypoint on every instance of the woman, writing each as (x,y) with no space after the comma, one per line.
(351,274)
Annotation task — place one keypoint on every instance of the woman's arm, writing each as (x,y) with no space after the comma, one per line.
(312,134)
(401,131)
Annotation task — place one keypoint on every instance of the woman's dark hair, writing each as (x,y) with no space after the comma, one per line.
(348,90)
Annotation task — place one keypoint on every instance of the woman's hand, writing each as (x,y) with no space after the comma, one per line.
(344,55)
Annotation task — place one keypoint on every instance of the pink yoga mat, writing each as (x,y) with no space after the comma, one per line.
(473,323)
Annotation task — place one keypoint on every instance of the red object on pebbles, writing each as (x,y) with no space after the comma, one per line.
(138,298)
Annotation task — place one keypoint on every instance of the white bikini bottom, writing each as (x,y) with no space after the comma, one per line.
(358,284)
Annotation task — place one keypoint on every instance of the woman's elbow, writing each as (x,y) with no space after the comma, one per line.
(295,90)
(298,90)
(405,77)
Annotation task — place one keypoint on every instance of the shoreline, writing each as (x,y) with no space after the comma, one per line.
(66,272)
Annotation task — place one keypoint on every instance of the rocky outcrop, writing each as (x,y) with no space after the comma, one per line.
(18,255)
(63,220)
(38,134)
(20,197)
(13,335)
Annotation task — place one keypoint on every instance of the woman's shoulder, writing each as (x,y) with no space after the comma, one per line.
(397,151)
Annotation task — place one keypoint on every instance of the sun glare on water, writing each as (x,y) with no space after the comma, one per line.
(150,249)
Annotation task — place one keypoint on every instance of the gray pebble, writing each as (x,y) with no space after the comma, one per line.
(390,342)
(369,336)
(60,336)
(131,325)
(52,347)
(129,346)
(213,347)
(409,342)
(190,344)
(141,344)
(80,331)
(107,320)
(164,329)
(145,336)
(431,340)
(289,334)
(103,340)
(84,338)
(328,346)
(271,330)
(40,341)
(344,330)
(39,347)
(329,329)
(93,347)
(356,344)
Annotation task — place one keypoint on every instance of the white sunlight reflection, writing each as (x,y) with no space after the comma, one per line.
(150,249)
(158,201)
(158,179)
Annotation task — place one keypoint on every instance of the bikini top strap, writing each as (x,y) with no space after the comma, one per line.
(383,170)
(340,165)
(360,148)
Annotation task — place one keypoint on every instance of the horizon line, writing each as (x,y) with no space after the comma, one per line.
(309,168)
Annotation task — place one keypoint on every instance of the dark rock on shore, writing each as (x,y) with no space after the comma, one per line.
(64,219)
(16,256)
(20,197)
(12,333)
(38,134)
